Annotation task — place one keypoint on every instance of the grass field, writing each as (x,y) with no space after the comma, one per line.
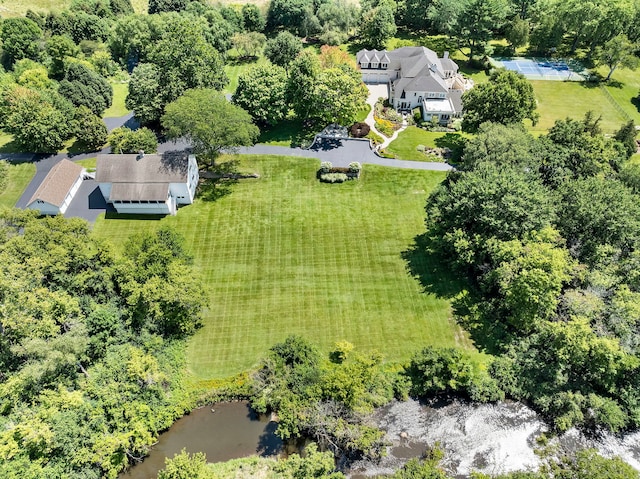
(285,254)
(19,177)
(624,87)
(558,100)
(117,107)
(404,146)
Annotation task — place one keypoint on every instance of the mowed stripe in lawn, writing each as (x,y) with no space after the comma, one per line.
(285,254)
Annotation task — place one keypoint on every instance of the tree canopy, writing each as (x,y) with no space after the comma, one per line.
(209,122)
(506,98)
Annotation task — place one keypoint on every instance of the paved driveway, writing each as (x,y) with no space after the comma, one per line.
(88,202)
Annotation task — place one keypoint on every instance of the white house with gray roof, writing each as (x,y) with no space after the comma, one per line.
(147,184)
(417,77)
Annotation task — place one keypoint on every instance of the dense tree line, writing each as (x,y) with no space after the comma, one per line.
(546,232)
(91,350)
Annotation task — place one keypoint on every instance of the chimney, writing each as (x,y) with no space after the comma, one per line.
(140,154)
(446,55)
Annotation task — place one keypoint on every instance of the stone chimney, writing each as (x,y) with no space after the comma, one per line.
(446,55)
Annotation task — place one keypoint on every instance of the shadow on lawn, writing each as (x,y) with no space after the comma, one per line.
(437,277)
(217,182)
(455,142)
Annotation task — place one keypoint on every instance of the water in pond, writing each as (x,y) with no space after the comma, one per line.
(490,438)
(232,431)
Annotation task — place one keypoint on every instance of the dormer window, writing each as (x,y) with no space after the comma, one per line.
(383,65)
(374,65)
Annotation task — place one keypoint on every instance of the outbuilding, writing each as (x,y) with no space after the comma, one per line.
(147,183)
(57,189)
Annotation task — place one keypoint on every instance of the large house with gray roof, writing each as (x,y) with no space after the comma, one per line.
(57,189)
(147,184)
(417,78)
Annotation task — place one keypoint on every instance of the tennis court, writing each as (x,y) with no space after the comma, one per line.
(544,68)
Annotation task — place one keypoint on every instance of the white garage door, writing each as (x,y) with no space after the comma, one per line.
(374,77)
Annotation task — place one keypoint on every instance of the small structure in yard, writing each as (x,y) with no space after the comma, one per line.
(333,174)
(147,183)
(57,189)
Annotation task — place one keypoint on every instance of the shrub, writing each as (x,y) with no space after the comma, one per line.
(334,177)
(417,115)
(385,127)
(421,148)
(325,167)
(354,166)
(360,130)
(375,138)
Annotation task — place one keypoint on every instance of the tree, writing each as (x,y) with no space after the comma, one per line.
(283,49)
(84,87)
(185,466)
(337,96)
(488,202)
(506,98)
(378,25)
(517,33)
(248,44)
(305,71)
(144,96)
(159,6)
(501,145)
(21,38)
(209,122)
(337,18)
(626,135)
(443,15)
(476,23)
(124,140)
(596,212)
(59,47)
(252,18)
(91,130)
(618,52)
(262,92)
(293,15)
(186,60)
(40,122)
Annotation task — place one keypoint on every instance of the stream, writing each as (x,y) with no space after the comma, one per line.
(490,438)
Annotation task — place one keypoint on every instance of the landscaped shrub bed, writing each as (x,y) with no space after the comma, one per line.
(337,174)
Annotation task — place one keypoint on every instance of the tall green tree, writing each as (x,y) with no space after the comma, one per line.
(21,38)
(209,122)
(283,49)
(90,129)
(477,22)
(253,18)
(145,94)
(506,98)
(378,25)
(262,91)
(84,87)
(618,52)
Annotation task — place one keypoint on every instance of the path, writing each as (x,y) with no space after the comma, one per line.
(375,92)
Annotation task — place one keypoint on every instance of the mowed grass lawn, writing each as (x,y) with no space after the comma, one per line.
(19,177)
(404,147)
(558,100)
(286,254)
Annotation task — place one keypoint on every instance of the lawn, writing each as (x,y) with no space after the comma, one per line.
(118,108)
(285,254)
(19,177)
(235,69)
(404,147)
(558,100)
(624,87)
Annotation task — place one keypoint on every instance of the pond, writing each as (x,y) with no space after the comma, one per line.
(234,430)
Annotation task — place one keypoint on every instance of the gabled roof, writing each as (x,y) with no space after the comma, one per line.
(372,56)
(423,81)
(145,168)
(56,185)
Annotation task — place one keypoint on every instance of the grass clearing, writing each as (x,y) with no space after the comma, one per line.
(117,107)
(19,177)
(559,100)
(235,69)
(286,254)
(404,147)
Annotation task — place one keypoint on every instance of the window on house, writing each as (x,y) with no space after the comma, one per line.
(403,94)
